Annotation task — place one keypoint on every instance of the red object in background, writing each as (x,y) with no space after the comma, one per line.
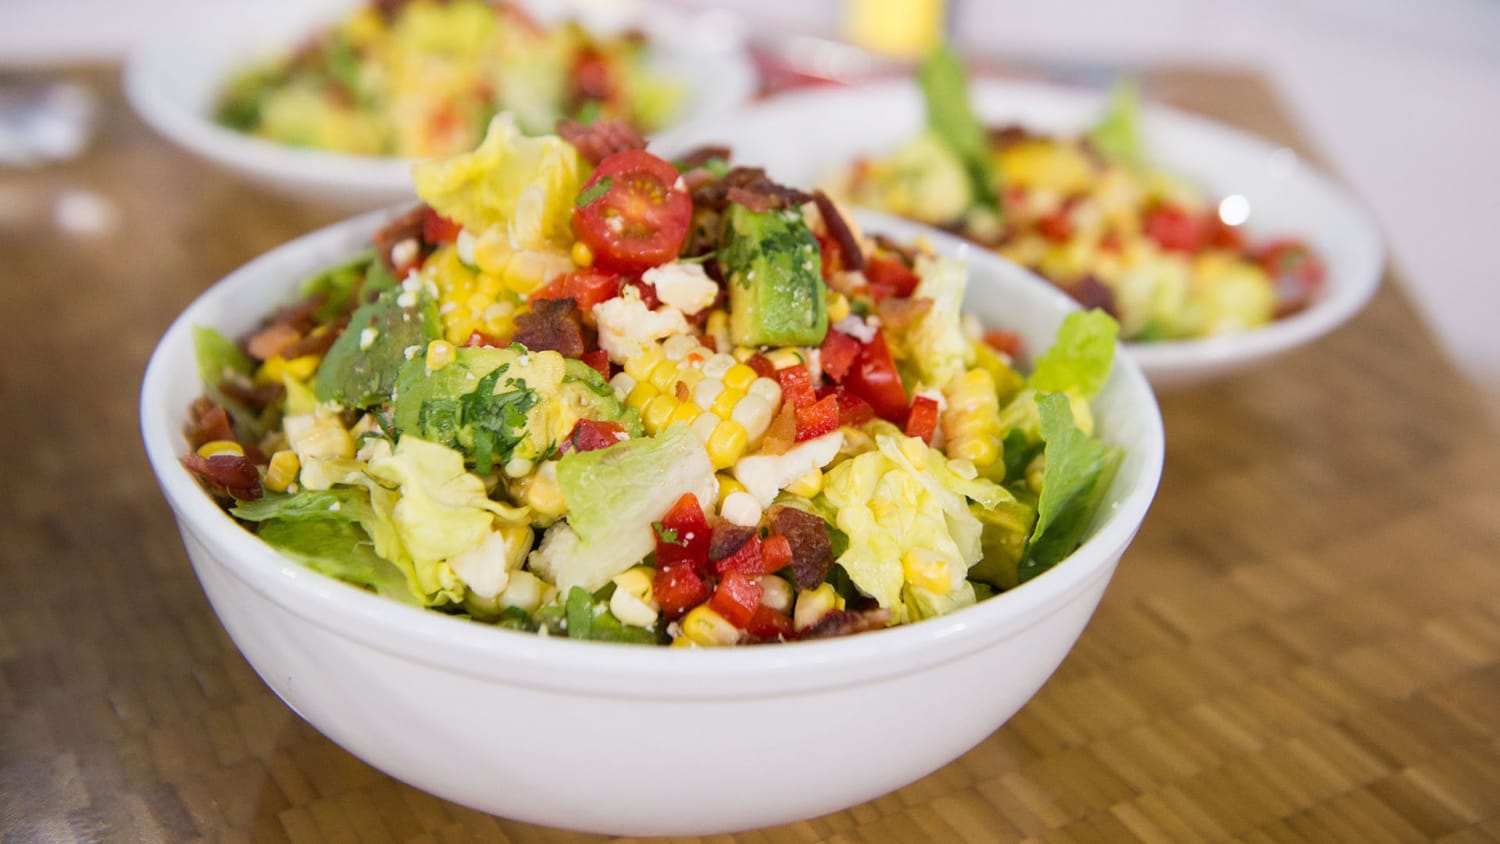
(1008,342)
(875,380)
(922,421)
(639,218)
(1173,228)
(436,228)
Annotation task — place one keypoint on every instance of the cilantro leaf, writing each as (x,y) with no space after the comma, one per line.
(593,192)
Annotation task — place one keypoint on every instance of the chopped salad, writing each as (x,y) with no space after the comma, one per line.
(585,391)
(422,78)
(1090,213)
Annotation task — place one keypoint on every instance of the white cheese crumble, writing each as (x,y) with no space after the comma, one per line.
(627,326)
(404,252)
(685,287)
(858,327)
(367,338)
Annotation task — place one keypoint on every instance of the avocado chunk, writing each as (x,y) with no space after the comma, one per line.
(773,268)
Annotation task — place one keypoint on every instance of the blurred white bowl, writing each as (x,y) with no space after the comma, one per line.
(627,739)
(173,77)
(803,138)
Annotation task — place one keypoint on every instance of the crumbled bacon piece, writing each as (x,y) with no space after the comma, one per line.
(812,550)
(408,226)
(750,187)
(849,252)
(847,622)
(699,156)
(552,325)
(600,139)
(728,538)
(207,422)
(317,342)
(1090,292)
(232,474)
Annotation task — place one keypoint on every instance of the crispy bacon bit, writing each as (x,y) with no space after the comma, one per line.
(552,324)
(257,396)
(812,550)
(600,139)
(848,622)
(230,474)
(317,342)
(728,537)
(207,422)
(897,313)
(748,186)
(700,156)
(1001,137)
(907,255)
(853,256)
(408,226)
(271,340)
(1090,292)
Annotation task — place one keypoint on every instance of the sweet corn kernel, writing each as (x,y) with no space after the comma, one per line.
(784,357)
(716,365)
(641,366)
(664,375)
(632,601)
(302,368)
(754,413)
(727,444)
(216,447)
(717,327)
(723,406)
(657,411)
(838,307)
(707,629)
(741,509)
(739,377)
(727,487)
(928,570)
(767,389)
(582,255)
(706,391)
(743,353)
(776,593)
(640,394)
(440,353)
(813,604)
(686,412)
(704,425)
(282,471)
(808,485)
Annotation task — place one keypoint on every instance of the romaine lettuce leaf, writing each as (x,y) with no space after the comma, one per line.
(1080,358)
(1078,473)
(950,116)
(1118,134)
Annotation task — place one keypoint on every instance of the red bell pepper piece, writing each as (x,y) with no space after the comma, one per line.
(922,421)
(592,434)
(874,379)
(677,589)
(598,360)
(819,418)
(838,353)
(796,386)
(762,365)
(776,552)
(767,624)
(853,410)
(683,535)
(736,598)
(890,276)
(1173,228)
(747,560)
(436,228)
(1056,227)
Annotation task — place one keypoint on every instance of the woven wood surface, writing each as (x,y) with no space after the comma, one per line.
(1302,645)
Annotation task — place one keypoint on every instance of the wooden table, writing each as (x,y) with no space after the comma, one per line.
(1303,644)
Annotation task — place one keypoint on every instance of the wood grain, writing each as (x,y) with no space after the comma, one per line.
(1302,645)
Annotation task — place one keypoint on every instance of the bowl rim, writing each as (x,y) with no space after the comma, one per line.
(603,668)
(151,57)
(1345,293)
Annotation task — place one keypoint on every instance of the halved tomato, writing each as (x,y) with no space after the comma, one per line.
(633,214)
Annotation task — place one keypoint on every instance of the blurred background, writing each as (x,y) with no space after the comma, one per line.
(1401,99)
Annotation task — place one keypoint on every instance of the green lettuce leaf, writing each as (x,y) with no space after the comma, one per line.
(946,91)
(1080,358)
(1079,471)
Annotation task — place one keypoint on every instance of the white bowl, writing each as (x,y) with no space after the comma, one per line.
(1286,196)
(626,739)
(173,77)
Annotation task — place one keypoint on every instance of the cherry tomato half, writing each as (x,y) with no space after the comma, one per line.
(633,213)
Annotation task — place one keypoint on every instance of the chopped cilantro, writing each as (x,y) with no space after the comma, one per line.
(591,194)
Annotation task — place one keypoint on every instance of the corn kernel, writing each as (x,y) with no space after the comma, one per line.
(706,391)
(724,403)
(767,389)
(754,413)
(302,368)
(741,509)
(640,394)
(717,327)
(657,411)
(707,629)
(727,444)
(641,365)
(808,485)
(776,593)
(813,604)
(679,346)
(928,570)
(739,377)
(282,471)
(632,601)
(742,353)
(838,307)
(217,447)
(727,487)
(686,412)
(664,375)
(582,255)
(440,353)
(784,357)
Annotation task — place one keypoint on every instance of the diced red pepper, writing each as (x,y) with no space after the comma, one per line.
(853,410)
(586,288)
(1218,234)
(875,380)
(1111,241)
(677,589)
(592,434)
(683,535)
(736,598)
(436,228)
(762,365)
(776,551)
(1008,342)
(747,560)
(767,624)
(838,353)
(1173,228)
(598,360)
(819,418)
(1056,227)
(796,386)
(922,421)
(890,276)
(479,338)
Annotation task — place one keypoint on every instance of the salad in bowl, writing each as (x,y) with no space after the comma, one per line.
(584,391)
